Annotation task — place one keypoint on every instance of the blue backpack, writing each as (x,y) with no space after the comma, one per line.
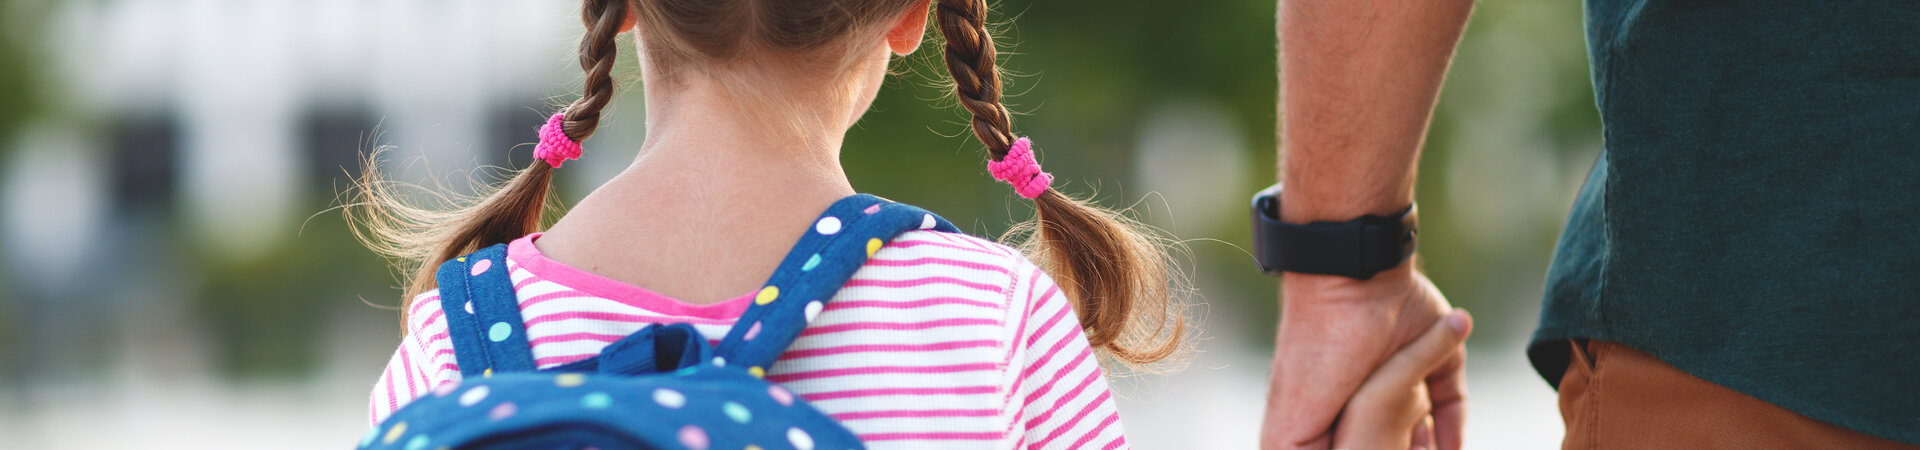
(663,387)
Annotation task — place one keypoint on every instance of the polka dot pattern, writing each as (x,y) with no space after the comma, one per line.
(596,400)
(474,396)
(693,437)
(500,331)
(671,399)
(872,209)
(873,246)
(757,372)
(503,411)
(752,332)
(780,395)
(767,295)
(737,412)
(927,222)
(480,267)
(827,226)
(393,434)
(812,262)
(799,438)
(813,309)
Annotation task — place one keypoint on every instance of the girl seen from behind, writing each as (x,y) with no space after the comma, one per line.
(938,338)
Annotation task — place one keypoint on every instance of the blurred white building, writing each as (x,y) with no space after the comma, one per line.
(227,95)
(229,123)
(235,119)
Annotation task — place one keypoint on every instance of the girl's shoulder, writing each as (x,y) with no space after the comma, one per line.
(959,263)
(929,265)
(961,246)
(423,312)
(953,255)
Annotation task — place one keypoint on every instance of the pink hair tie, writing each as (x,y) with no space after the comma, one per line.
(1019,169)
(555,147)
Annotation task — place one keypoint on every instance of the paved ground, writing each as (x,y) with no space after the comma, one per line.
(1216,404)
(159,404)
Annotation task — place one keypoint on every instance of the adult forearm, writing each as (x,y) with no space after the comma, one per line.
(1358,81)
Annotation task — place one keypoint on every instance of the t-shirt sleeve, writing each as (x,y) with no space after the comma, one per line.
(1067,404)
(423,362)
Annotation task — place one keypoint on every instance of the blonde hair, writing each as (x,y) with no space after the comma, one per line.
(1116,272)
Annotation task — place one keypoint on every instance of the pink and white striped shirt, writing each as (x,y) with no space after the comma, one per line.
(940,340)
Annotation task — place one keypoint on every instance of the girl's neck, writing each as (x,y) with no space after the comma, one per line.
(722,187)
(770,125)
(775,149)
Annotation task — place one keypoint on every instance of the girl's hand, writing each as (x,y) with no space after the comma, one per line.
(1391,409)
(1334,333)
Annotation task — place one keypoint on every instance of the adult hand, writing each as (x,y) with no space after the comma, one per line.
(1334,332)
(1358,81)
(1393,405)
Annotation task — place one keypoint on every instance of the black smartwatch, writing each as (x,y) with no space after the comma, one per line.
(1357,248)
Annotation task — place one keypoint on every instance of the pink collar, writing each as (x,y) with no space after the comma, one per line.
(524,254)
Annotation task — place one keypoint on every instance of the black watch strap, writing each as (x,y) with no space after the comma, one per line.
(1357,248)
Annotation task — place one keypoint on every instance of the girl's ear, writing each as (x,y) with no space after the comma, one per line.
(907,31)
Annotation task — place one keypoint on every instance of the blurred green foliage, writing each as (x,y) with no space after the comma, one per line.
(21,68)
(269,314)
(21,77)
(1083,75)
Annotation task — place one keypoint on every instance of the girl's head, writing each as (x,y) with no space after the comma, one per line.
(1117,274)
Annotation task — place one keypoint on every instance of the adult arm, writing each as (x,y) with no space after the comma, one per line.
(1358,80)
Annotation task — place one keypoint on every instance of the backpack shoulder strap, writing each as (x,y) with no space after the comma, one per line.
(483,315)
(824,259)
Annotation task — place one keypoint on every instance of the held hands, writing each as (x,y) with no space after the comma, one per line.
(1335,333)
(1390,411)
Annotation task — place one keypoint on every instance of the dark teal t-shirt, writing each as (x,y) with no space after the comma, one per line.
(1754,219)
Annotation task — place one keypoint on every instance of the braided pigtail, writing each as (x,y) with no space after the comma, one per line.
(1115,270)
(416,238)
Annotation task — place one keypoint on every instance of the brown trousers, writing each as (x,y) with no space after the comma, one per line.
(1615,397)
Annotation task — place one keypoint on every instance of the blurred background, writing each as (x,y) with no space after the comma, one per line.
(174,276)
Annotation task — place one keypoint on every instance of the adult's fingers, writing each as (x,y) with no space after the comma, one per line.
(1324,352)
(1307,399)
